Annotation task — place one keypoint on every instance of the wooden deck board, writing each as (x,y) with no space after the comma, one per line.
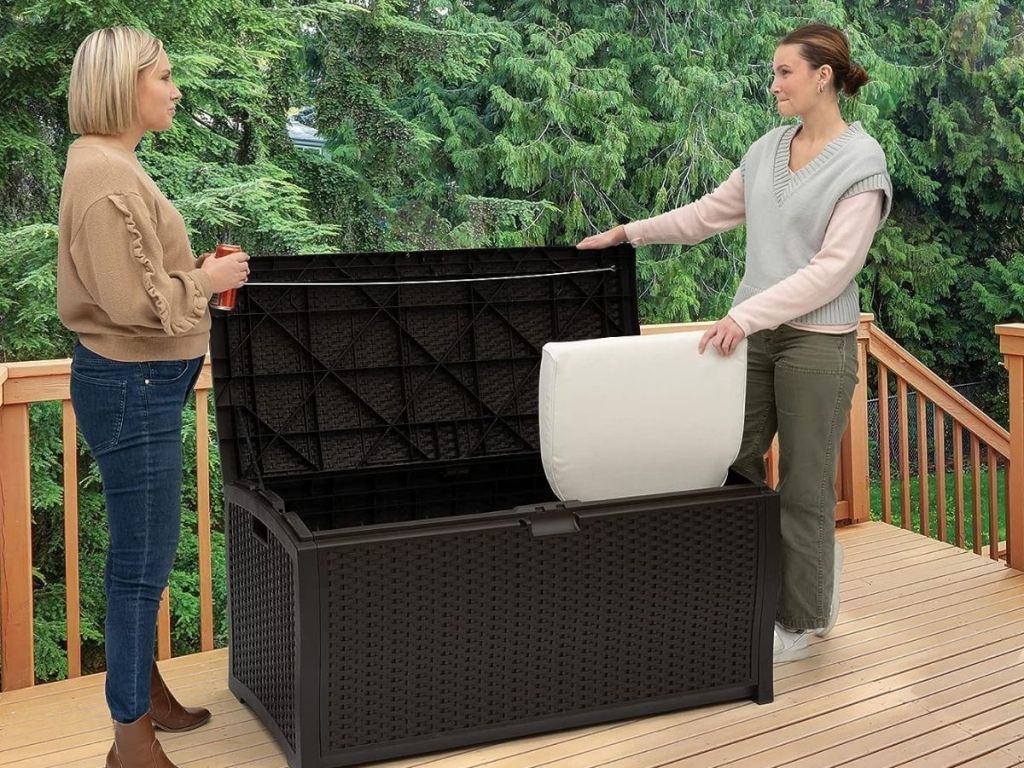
(925,668)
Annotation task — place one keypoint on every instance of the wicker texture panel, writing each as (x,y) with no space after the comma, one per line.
(263,619)
(441,633)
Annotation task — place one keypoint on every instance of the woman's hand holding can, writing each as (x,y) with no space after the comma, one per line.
(228,271)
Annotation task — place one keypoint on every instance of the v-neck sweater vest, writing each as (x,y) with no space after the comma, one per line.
(787,213)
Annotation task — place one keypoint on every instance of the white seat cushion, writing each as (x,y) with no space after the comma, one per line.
(639,415)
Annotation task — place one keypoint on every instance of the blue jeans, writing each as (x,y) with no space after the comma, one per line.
(130,415)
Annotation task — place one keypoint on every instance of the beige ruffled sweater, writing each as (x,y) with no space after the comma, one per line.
(127,281)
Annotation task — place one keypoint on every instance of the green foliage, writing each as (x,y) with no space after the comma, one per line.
(29,327)
(364,67)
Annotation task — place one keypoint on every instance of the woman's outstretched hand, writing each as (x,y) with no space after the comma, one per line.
(723,336)
(613,236)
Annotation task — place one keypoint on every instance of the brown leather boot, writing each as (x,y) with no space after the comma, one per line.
(167,714)
(135,746)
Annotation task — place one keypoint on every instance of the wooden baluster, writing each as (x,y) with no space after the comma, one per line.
(163,627)
(772,464)
(993,504)
(901,407)
(841,487)
(72,596)
(940,471)
(958,483)
(885,458)
(203,514)
(1006,491)
(976,492)
(922,463)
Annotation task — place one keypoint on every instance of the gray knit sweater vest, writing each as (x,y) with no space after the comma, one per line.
(787,213)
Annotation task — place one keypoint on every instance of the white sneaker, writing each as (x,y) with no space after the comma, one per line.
(836,573)
(790,645)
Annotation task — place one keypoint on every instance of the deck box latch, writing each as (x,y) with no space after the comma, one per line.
(553,522)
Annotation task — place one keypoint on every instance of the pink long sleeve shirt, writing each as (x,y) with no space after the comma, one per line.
(841,257)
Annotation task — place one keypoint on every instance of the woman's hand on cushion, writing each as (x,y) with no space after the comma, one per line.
(724,336)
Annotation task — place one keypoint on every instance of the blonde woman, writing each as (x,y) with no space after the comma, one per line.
(812,194)
(129,286)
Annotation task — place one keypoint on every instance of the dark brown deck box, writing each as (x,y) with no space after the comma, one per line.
(402,578)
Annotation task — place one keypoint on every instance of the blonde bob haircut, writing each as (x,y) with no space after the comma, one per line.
(102,92)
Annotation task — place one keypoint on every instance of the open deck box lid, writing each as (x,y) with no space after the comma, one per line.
(355,363)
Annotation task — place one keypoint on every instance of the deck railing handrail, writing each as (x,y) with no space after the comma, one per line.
(22,384)
(886,350)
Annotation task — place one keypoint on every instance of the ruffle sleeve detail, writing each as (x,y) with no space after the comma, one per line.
(196,303)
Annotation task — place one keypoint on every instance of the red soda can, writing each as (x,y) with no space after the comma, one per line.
(225,300)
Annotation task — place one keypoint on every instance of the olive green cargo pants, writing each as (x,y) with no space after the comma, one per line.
(800,384)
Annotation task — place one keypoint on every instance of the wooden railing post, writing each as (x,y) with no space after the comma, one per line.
(1011,344)
(17,666)
(853,454)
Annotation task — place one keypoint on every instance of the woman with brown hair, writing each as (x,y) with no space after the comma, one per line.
(812,194)
(131,289)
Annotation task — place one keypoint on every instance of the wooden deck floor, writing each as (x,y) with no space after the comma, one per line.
(925,668)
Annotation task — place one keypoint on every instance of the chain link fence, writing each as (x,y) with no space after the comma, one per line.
(970,391)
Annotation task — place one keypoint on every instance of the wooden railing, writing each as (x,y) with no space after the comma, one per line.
(22,384)
(935,401)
